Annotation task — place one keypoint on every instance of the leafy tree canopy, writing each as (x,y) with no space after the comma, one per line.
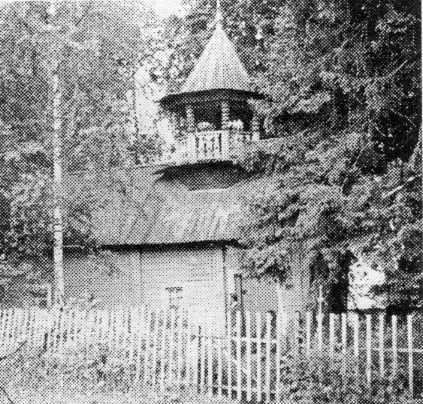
(99,46)
(343,176)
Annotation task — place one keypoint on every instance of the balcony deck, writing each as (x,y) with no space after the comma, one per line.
(205,146)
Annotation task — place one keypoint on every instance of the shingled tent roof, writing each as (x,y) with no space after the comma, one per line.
(218,68)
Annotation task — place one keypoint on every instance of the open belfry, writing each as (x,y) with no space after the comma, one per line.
(211,115)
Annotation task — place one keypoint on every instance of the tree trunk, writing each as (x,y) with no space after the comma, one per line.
(59,287)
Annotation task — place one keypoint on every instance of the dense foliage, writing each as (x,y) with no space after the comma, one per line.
(99,46)
(344,178)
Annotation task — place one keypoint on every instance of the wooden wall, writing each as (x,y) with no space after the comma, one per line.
(294,294)
(121,287)
(258,294)
(197,271)
(142,276)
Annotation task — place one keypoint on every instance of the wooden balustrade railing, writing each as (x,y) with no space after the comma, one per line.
(209,145)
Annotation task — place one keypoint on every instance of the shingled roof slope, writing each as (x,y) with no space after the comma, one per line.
(143,207)
(218,68)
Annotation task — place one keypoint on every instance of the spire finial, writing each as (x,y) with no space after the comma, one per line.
(219,16)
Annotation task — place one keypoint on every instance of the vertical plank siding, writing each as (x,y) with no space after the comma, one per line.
(247,362)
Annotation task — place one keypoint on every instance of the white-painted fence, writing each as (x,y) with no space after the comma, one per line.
(245,363)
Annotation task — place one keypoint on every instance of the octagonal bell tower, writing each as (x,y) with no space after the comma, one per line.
(211,116)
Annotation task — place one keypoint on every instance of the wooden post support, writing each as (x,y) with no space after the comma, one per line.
(255,130)
(225,115)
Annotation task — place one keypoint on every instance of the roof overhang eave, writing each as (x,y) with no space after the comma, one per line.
(187,97)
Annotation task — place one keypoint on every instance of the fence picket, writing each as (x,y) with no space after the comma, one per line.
(278,351)
(238,357)
(179,353)
(331,334)
(268,352)
(188,354)
(155,347)
(147,327)
(174,352)
(381,345)
(308,334)
(248,349)
(3,331)
(11,333)
(202,358)
(344,341)
(61,337)
(394,346)
(368,347)
(25,330)
(197,353)
(410,353)
(258,339)
(229,325)
(172,335)
(320,331)
(209,340)
(163,351)
(219,368)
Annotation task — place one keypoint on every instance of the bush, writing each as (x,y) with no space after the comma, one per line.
(321,379)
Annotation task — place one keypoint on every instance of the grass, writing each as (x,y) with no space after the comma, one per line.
(137,395)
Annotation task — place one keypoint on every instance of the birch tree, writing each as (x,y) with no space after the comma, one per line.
(64,85)
(59,284)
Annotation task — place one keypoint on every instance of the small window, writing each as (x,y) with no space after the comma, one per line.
(174,297)
(41,295)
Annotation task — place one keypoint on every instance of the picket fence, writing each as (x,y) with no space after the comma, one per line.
(169,347)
